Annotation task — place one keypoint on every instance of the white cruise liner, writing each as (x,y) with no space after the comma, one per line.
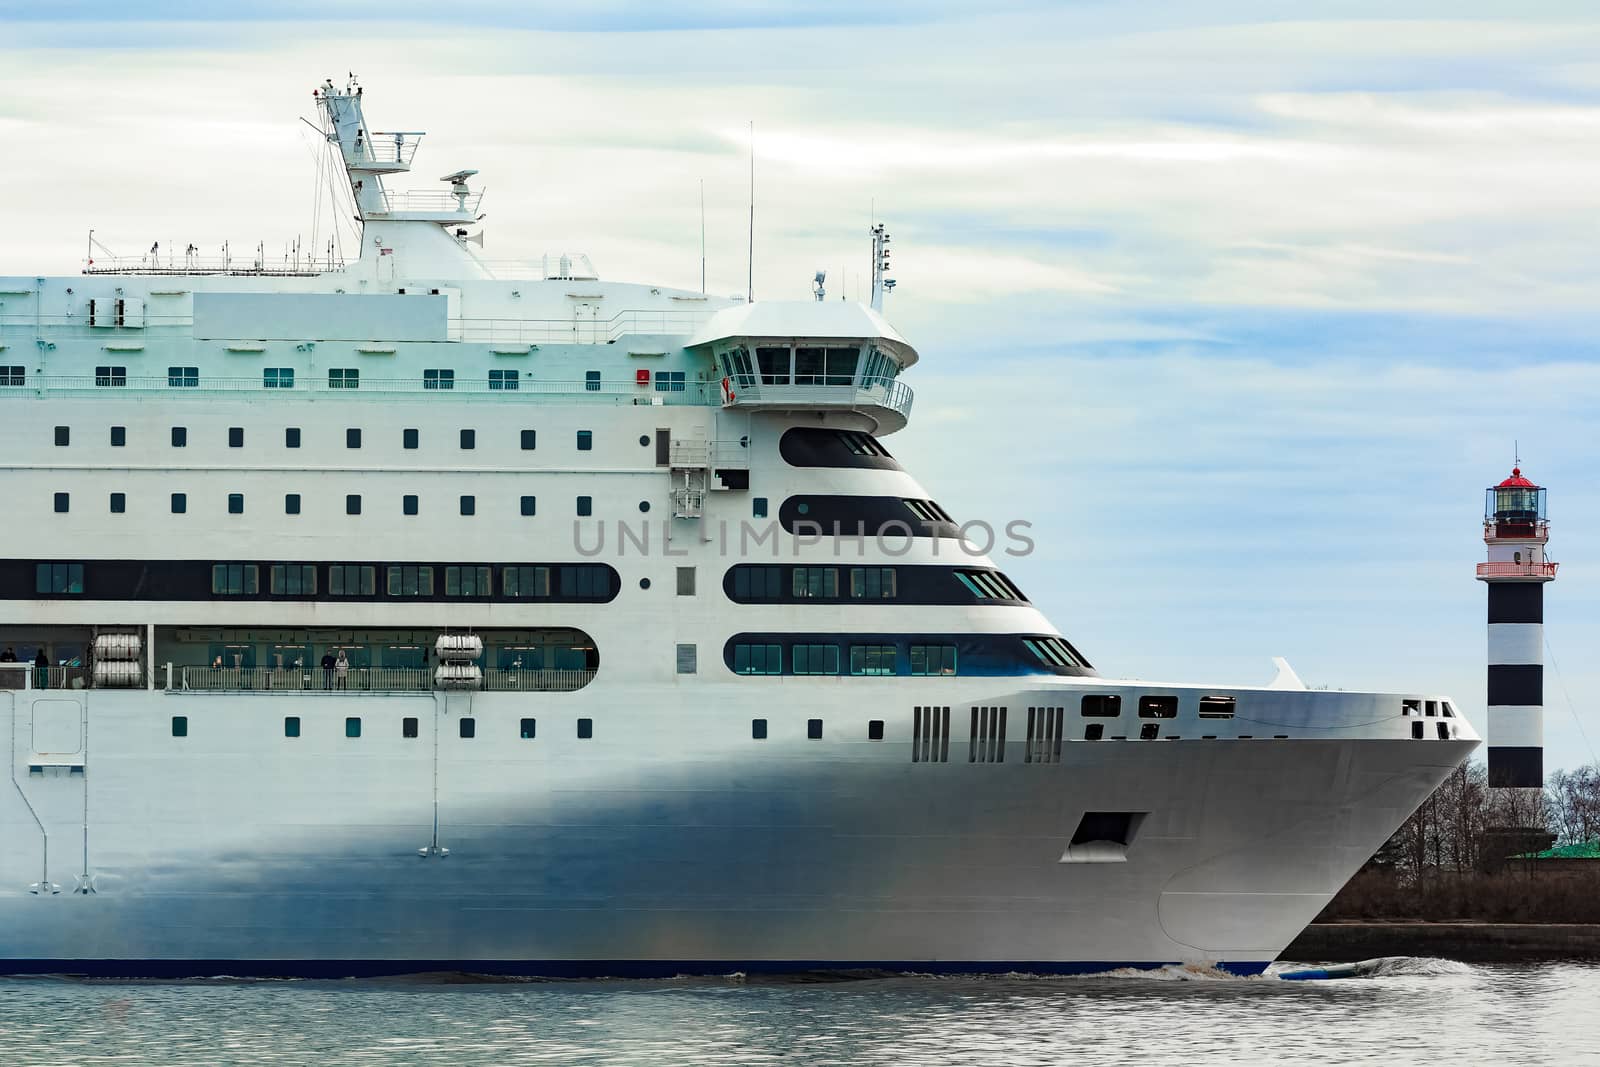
(418,613)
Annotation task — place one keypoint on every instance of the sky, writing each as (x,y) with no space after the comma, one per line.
(1240,304)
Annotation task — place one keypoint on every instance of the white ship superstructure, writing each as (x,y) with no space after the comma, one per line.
(414,613)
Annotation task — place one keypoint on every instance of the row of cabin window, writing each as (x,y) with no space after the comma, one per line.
(342,378)
(865,583)
(409,438)
(925,660)
(1109,706)
(410,504)
(360,579)
(527,729)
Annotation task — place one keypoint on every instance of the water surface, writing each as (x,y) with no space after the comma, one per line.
(1413,1012)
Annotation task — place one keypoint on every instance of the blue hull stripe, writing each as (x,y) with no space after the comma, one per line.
(155,968)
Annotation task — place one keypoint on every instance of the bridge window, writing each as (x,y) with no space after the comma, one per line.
(774,365)
(825,366)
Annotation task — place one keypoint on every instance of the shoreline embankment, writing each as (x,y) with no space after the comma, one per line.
(1468,942)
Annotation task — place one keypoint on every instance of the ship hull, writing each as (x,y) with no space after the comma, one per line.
(670,841)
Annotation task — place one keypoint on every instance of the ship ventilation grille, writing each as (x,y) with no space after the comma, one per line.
(988,743)
(930,735)
(1045,727)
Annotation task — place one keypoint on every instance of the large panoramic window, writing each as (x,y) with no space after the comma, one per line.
(351,579)
(234,579)
(59,578)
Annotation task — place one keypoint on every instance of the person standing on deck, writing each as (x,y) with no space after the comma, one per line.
(327,670)
(341,667)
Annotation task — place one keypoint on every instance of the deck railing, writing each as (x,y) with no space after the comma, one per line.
(1517,570)
(521,390)
(366,679)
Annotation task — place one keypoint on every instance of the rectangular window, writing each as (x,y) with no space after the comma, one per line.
(524,582)
(469,505)
(467,581)
(875,730)
(438,379)
(119,436)
(293,579)
(410,438)
(757,659)
(686,581)
(585,506)
(180,437)
(758,507)
(862,444)
(352,504)
(758,729)
(872,659)
(409,580)
(586,582)
(408,727)
(13,375)
(236,437)
(688,659)
(774,365)
(119,503)
(757,583)
(529,729)
(235,503)
(344,378)
(1217,707)
(528,504)
(669,381)
(352,726)
(291,726)
(63,501)
(815,659)
(814,729)
(180,726)
(810,582)
(291,503)
(469,439)
(467,727)
(351,579)
(933,660)
(408,504)
(1158,707)
(1101,705)
(111,376)
(180,503)
(63,435)
(502,379)
(1052,651)
(591,381)
(64,578)
(291,437)
(277,377)
(352,438)
(234,579)
(585,440)
(872,583)
(183,377)
(585,729)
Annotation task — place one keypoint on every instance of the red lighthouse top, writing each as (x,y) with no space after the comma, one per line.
(1516,481)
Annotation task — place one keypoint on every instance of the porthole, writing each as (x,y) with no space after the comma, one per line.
(644,505)
(644,583)
(803,508)
(744,442)
(644,440)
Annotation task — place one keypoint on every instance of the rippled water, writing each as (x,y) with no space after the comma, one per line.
(1412,1012)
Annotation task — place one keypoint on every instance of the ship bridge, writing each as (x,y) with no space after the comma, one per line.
(788,356)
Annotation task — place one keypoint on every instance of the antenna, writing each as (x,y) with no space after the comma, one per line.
(750,278)
(702,237)
(881,283)
(1516,452)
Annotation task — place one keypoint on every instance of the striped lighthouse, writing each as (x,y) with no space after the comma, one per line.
(1516,530)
